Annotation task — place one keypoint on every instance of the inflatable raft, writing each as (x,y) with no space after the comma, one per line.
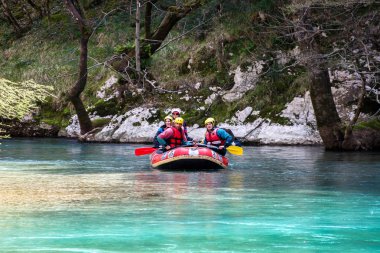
(188,158)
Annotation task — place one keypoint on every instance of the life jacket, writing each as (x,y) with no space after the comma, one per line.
(213,139)
(176,139)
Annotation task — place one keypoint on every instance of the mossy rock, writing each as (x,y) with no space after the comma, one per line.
(104,108)
(100,122)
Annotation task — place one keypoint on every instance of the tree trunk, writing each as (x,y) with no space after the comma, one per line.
(137,38)
(171,18)
(148,19)
(328,121)
(77,89)
(11,19)
(74,94)
(166,25)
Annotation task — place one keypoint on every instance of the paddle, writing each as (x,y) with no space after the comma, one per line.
(235,150)
(144,151)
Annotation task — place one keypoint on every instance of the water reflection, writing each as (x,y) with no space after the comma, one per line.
(60,195)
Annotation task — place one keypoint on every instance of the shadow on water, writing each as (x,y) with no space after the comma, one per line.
(307,168)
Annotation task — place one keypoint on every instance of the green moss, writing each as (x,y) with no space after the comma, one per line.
(136,124)
(100,122)
(374,124)
(104,108)
(221,111)
(58,17)
(51,116)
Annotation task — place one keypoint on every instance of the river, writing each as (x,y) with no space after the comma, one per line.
(63,196)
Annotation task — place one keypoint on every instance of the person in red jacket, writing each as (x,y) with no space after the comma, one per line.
(173,136)
(176,112)
(217,137)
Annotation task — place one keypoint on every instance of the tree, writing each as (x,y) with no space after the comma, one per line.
(352,33)
(77,11)
(174,13)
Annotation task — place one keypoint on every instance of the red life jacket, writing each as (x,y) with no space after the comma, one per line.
(213,139)
(176,139)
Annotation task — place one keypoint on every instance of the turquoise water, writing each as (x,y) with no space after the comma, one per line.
(63,196)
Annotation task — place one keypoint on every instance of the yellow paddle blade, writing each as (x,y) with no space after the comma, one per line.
(235,150)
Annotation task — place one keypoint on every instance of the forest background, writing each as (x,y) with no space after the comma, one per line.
(188,54)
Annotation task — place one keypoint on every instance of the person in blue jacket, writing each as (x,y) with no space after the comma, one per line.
(217,136)
(168,123)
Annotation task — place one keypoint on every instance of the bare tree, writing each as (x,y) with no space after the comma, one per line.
(173,14)
(77,11)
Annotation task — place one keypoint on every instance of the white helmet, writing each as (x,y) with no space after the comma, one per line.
(176,110)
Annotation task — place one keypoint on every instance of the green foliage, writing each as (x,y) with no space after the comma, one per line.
(23,64)
(125,48)
(50,116)
(240,48)
(374,124)
(17,99)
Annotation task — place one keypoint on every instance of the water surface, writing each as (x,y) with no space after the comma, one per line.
(64,196)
